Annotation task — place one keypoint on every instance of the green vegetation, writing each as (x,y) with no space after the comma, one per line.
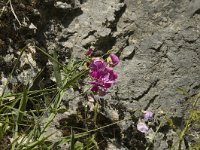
(190,121)
(25,128)
(26,115)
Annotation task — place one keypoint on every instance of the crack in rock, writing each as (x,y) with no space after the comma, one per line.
(153,84)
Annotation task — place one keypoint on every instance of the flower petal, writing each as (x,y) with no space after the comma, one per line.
(114,59)
(95,88)
(148,115)
(142,127)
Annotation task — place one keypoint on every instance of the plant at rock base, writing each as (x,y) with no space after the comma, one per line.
(102,75)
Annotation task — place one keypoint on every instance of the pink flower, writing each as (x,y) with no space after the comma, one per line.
(89,51)
(148,115)
(114,59)
(103,76)
(142,127)
(97,64)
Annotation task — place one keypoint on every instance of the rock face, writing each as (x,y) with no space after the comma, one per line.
(160,43)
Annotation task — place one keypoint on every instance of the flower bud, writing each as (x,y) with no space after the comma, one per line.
(114,59)
(89,52)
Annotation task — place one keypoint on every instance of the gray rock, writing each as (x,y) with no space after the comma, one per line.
(127,52)
(62,5)
(88,41)
(160,42)
(193,8)
(190,35)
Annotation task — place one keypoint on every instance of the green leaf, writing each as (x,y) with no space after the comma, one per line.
(23,103)
(56,69)
(78,146)
(72,140)
(170,122)
(62,110)
(195,146)
(183,91)
(94,141)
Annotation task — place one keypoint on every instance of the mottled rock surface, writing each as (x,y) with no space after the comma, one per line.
(160,43)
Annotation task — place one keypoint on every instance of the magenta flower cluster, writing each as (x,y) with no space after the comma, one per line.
(102,74)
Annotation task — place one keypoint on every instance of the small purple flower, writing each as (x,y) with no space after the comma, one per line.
(114,59)
(148,115)
(89,51)
(142,127)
